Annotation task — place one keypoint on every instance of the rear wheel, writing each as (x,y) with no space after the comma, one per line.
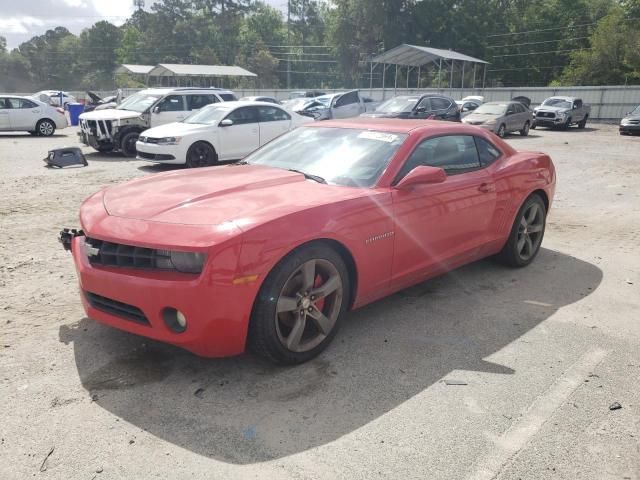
(300,305)
(526,233)
(45,128)
(583,122)
(128,144)
(201,154)
(502,131)
(525,129)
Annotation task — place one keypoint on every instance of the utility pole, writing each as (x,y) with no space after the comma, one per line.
(289,44)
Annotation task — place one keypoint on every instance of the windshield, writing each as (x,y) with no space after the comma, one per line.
(557,102)
(398,104)
(298,104)
(324,100)
(208,115)
(341,156)
(636,111)
(138,102)
(492,109)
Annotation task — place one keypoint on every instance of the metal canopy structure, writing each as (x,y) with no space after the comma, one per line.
(415,56)
(134,69)
(180,70)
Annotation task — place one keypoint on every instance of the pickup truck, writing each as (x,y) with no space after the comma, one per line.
(561,112)
(337,105)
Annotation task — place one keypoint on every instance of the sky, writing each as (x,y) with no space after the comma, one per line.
(22,19)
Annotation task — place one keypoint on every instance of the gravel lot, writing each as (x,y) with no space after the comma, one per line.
(543,352)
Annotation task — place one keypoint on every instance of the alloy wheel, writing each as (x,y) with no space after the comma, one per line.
(46,128)
(309,305)
(530,231)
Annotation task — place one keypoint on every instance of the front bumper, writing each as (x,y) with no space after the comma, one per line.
(549,122)
(217,311)
(630,128)
(492,127)
(93,141)
(152,152)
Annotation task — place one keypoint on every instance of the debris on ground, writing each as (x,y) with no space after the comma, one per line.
(615,406)
(455,382)
(43,465)
(199,392)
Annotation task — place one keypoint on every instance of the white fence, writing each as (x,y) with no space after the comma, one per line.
(607,102)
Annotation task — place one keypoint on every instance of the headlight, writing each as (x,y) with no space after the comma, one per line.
(186,262)
(561,114)
(490,122)
(169,141)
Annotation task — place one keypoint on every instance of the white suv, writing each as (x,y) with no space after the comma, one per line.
(118,129)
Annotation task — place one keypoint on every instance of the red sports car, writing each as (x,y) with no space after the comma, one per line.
(269,253)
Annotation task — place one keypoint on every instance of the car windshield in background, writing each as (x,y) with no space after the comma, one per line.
(228,97)
(557,102)
(209,115)
(138,102)
(326,100)
(491,109)
(636,111)
(341,156)
(398,104)
(297,104)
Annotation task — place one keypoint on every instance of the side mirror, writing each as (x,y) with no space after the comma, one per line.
(156,109)
(422,175)
(227,122)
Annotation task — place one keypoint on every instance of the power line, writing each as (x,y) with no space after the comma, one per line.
(536,43)
(540,53)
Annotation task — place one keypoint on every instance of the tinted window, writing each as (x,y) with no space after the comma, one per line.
(172,103)
(438,103)
(454,153)
(16,103)
(578,103)
(4,103)
(469,106)
(228,97)
(244,115)
(196,102)
(272,114)
(347,99)
(425,104)
(487,152)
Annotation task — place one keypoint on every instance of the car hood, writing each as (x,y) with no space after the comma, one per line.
(385,114)
(242,194)
(481,117)
(176,129)
(545,108)
(109,114)
(631,117)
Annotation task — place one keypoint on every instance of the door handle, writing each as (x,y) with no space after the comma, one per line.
(486,187)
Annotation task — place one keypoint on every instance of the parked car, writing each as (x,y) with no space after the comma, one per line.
(52,97)
(305,94)
(217,132)
(502,117)
(562,112)
(30,115)
(260,99)
(336,105)
(270,253)
(469,104)
(630,124)
(432,106)
(117,129)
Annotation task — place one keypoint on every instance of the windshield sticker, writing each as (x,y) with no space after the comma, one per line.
(381,137)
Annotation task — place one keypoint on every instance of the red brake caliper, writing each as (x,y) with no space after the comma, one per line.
(320,303)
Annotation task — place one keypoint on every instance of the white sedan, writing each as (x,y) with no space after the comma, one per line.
(52,97)
(30,115)
(217,132)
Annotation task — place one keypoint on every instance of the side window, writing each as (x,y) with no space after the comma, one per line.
(438,103)
(4,104)
(487,152)
(424,105)
(272,114)
(577,104)
(244,115)
(469,106)
(172,103)
(196,102)
(511,109)
(453,153)
(347,99)
(28,104)
(14,103)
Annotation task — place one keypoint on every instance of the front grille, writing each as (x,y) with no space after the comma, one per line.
(155,156)
(118,255)
(546,115)
(633,122)
(118,309)
(96,128)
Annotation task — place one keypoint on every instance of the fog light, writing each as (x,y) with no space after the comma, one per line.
(174,319)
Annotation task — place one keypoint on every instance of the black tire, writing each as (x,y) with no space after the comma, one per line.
(567,124)
(583,122)
(502,131)
(103,149)
(533,125)
(266,336)
(128,144)
(513,252)
(201,154)
(45,127)
(525,129)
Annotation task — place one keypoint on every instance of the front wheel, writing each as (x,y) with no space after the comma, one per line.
(502,131)
(583,122)
(567,124)
(45,128)
(525,129)
(201,154)
(300,305)
(128,144)
(526,233)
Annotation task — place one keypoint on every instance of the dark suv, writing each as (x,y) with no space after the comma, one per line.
(431,106)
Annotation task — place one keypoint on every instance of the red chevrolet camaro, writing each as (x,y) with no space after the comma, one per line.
(269,253)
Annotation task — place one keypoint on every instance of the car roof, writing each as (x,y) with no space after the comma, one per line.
(560,97)
(166,90)
(243,103)
(393,125)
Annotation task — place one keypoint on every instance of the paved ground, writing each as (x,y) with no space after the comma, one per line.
(544,352)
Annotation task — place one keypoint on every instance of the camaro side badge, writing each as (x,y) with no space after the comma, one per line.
(378,237)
